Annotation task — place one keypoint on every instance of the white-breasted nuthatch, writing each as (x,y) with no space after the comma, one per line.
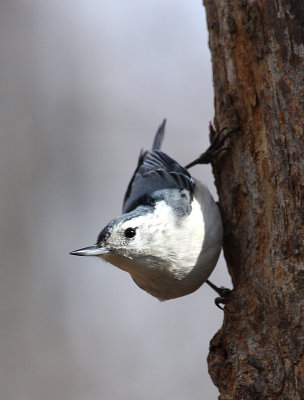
(169,236)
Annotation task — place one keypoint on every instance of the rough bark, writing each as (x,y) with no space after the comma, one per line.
(258,71)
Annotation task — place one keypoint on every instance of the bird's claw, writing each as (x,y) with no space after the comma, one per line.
(223,298)
(215,147)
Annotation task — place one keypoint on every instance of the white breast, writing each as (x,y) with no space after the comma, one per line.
(184,251)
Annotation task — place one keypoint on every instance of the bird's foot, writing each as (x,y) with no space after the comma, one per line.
(216,147)
(223,297)
(223,293)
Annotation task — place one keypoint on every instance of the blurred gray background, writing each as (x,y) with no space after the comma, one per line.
(84,85)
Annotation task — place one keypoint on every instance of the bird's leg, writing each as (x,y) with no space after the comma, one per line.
(214,149)
(223,294)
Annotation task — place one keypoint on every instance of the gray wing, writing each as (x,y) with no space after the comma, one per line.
(158,177)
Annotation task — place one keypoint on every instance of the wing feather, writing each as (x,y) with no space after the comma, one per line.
(156,173)
(159,177)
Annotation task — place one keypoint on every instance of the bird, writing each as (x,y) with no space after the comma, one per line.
(169,235)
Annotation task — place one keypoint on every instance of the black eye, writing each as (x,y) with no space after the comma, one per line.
(130,232)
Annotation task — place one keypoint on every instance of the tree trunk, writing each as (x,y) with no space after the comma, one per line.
(258,71)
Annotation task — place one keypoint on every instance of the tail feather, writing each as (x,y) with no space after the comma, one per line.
(159,136)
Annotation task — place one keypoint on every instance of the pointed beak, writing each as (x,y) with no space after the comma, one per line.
(90,251)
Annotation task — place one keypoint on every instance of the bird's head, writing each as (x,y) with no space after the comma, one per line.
(133,237)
